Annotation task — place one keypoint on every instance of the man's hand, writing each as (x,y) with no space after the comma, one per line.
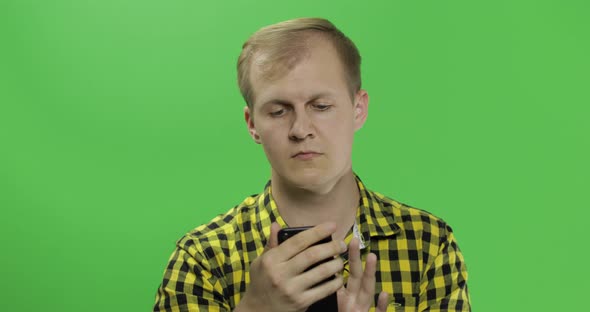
(358,294)
(277,278)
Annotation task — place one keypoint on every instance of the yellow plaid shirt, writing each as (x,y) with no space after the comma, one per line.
(419,262)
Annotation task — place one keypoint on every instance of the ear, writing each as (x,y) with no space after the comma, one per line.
(361,109)
(250,123)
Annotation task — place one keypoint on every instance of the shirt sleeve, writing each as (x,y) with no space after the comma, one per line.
(190,284)
(444,284)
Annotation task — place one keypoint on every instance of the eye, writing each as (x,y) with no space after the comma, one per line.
(321,107)
(277,112)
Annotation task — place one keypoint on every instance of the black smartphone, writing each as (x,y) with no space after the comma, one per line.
(329,303)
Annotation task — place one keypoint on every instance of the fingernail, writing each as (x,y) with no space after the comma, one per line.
(343,246)
(330,226)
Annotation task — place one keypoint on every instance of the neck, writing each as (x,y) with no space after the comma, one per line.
(337,203)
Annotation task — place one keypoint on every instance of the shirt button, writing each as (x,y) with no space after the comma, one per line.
(249,201)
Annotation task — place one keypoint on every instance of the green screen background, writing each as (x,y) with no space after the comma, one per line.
(121,128)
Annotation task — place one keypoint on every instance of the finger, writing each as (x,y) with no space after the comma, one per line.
(382,302)
(273,240)
(367,290)
(323,290)
(342,297)
(327,270)
(274,235)
(316,254)
(356,267)
(303,240)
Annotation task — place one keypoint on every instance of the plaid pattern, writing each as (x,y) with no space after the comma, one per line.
(419,262)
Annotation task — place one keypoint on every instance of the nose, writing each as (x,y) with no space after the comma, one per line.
(302,127)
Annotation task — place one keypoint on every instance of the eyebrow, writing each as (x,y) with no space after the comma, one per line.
(286,102)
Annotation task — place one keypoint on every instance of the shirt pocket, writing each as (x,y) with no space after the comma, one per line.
(401,303)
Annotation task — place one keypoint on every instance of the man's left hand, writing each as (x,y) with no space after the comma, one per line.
(358,295)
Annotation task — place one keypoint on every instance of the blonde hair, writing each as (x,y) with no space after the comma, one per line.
(279,47)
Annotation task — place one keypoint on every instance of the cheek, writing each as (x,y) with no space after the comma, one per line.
(339,131)
(345,139)
(271,140)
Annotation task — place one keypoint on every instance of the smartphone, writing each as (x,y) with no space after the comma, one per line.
(329,303)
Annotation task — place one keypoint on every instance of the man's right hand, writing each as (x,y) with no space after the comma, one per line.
(278,280)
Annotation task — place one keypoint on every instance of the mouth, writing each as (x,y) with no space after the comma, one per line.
(306,155)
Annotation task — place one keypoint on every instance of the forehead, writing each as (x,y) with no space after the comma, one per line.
(314,69)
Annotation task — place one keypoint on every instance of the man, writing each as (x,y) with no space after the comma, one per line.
(301,82)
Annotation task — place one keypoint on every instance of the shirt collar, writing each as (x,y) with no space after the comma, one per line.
(374,215)
(267,213)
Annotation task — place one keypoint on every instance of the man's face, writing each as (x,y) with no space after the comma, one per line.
(306,119)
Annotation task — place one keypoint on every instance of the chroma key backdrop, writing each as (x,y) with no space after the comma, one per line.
(121,128)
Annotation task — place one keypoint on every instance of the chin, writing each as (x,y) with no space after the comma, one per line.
(310,179)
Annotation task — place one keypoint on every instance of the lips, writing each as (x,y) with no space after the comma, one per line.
(305,155)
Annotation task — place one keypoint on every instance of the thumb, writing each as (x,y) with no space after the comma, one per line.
(273,240)
(382,302)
